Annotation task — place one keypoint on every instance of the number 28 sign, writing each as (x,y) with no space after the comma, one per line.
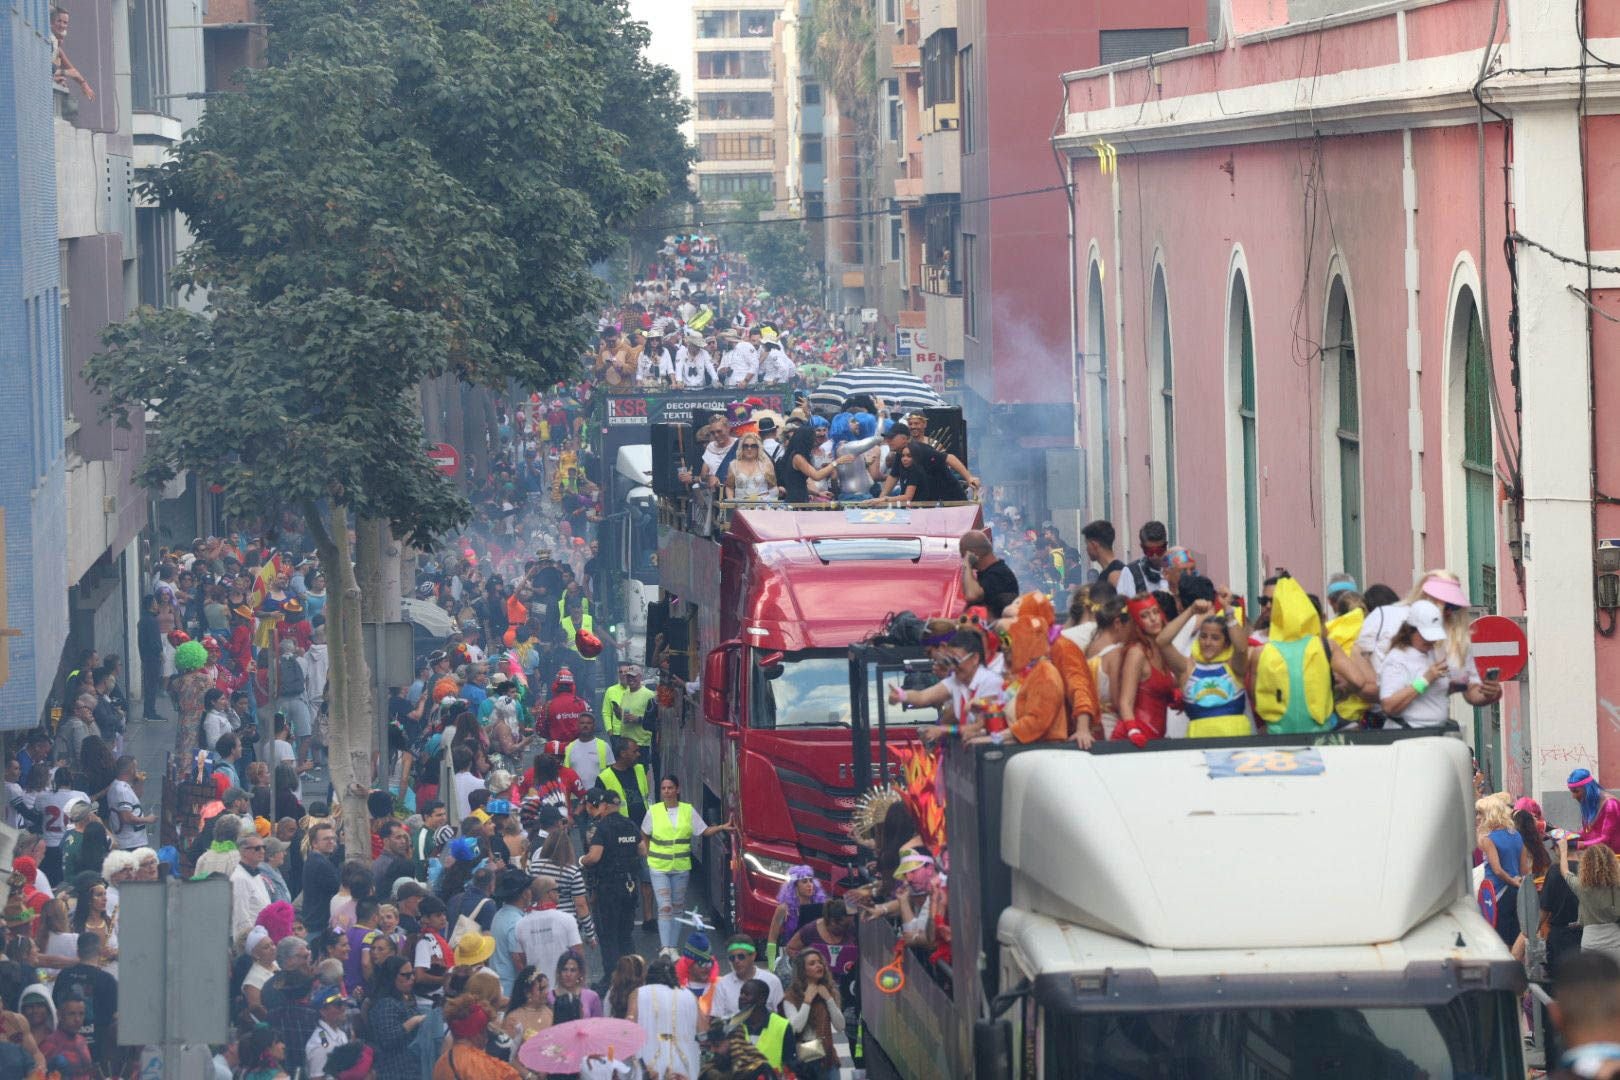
(1224,764)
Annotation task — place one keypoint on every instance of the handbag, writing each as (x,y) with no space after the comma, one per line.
(810,1051)
(467,923)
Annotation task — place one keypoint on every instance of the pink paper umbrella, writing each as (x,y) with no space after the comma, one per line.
(564,1048)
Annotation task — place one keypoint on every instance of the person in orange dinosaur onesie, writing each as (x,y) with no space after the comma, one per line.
(1079,687)
(1037,707)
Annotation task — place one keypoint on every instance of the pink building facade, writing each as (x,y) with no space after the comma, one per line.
(1302,343)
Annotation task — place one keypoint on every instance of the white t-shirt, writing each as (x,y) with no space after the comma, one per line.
(55,805)
(542,937)
(729,988)
(122,798)
(1378,630)
(586,761)
(15,793)
(215,725)
(466,784)
(427,951)
(1432,707)
(282,750)
(984,684)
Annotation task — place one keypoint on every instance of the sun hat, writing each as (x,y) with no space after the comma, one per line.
(1445,591)
(474,948)
(1424,617)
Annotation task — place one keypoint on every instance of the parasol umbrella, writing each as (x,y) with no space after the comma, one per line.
(815,373)
(898,389)
(564,1048)
(429,616)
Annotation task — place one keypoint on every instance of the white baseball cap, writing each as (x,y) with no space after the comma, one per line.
(1425,618)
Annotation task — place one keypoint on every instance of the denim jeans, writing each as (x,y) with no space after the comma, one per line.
(669,892)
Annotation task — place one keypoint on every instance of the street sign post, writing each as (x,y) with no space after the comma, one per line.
(1498,642)
(445,458)
(174,934)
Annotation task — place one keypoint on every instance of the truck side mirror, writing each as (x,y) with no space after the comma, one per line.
(714,685)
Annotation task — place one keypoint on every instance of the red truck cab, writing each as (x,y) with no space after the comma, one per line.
(771,606)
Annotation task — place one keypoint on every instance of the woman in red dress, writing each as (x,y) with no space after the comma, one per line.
(1147,689)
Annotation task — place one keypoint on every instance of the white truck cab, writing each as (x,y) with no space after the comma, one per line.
(1221,908)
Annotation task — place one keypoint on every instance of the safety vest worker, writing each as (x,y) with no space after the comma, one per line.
(669,845)
(610,780)
(570,631)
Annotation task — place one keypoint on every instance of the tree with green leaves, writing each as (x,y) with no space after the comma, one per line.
(409,191)
(778,250)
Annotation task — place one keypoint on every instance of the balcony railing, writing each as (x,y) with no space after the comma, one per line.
(940,280)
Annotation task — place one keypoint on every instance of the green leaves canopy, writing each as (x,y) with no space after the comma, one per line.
(409,189)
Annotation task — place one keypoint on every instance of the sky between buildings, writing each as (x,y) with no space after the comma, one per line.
(671,25)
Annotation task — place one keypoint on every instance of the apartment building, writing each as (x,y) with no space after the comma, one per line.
(78,253)
(745,89)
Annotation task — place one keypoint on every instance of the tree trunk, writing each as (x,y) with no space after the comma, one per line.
(349,690)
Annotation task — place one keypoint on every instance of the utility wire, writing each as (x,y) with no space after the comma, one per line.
(880,212)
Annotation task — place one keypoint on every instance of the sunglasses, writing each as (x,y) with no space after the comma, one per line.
(1153,551)
(250,847)
(739,957)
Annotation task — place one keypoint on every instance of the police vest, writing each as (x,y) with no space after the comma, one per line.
(770,1041)
(610,780)
(669,850)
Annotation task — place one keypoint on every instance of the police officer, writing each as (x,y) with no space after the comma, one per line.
(614,852)
(331,1033)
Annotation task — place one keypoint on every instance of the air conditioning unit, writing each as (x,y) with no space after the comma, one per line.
(949,123)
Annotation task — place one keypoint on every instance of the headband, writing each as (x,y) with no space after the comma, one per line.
(1138,604)
(741,946)
(1580,778)
(1341,586)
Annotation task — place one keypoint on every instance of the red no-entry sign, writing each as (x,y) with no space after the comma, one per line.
(1498,643)
(445,458)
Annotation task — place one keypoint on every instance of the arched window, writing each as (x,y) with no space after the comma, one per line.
(1472,399)
(1243,443)
(1341,456)
(1162,407)
(1102,454)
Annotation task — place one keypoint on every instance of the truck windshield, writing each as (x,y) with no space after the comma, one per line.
(812,690)
(1474,1037)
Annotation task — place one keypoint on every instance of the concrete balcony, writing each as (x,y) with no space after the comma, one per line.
(906,57)
(743,124)
(936,15)
(908,189)
(754,44)
(944,315)
(763,85)
(716,168)
(942,163)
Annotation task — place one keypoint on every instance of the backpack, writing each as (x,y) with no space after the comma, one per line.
(1293,682)
(290,677)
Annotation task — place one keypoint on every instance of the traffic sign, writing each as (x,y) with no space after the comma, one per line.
(1498,642)
(445,458)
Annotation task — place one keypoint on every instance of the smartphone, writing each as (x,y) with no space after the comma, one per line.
(1494,674)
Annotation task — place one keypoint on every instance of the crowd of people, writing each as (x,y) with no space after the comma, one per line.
(670,333)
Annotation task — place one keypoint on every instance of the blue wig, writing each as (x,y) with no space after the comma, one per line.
(849,426)
(1584,786)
